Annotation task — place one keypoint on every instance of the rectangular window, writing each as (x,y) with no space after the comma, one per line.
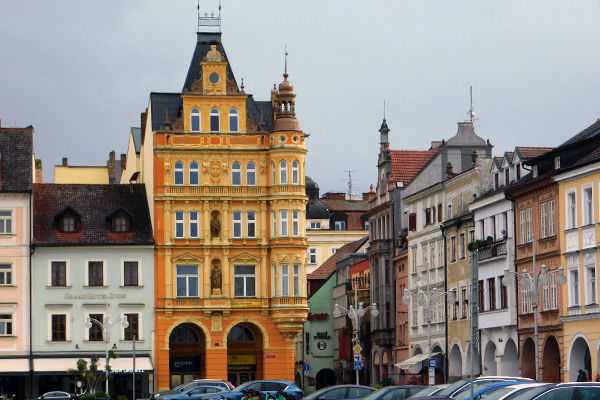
(133,330)
(296,222)
(244,280)
(529,231)
(546,296)
(491,293)
(574,275)
(285,280)
(571,211)
(194,224)
(413,260)
(274,279)
(591,283)
(465,303)
(283,223)
(5,222)
(524,299)
(130,273)
(315,225)
(237,224)
(340,225)
(482,296)
(522,225)
(251,224)
(179,224)
(461,246)
(503,295)
(273,223)
(59,327)
(59,273)
(187,281)
(453,249)
(551,226)
(95,331)
(6,324)
(5,274)
(312,256)
(296,280)
(544,215)
(588,206)
(553,293)
(95,273)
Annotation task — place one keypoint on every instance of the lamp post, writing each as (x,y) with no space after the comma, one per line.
(428,300)
(355,314)
(530,283)
(106,328)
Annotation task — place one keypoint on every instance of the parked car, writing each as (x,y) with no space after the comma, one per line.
(339,392)
(58,396)
(563,391)
(395,392)
(194,393)
(429,391)
(265,386)
(464,384)
(512,391)
(484,390)
(192,384)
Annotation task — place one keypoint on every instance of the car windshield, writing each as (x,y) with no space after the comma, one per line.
(316,394)
(452,388)
(181,386)
(425,392)
(467,393)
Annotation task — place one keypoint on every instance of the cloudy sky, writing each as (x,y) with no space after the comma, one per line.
(81,72)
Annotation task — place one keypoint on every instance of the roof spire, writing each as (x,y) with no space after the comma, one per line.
(286,54)
(470,111)
(384,109)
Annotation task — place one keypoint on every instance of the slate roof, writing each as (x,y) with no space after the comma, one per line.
(94,203)
(16,159)
(589,132)
(159,103)
(328,267)
(406,164)
(136,133)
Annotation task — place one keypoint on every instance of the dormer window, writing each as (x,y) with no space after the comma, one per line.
(557,162)
(68,220)
(120,224)
(68,224)
(534,171)
(120,221)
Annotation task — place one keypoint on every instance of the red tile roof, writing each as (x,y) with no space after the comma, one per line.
(530,152)
(327,268)
(406,164)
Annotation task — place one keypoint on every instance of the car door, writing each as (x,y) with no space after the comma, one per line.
(395,394)
(559,393)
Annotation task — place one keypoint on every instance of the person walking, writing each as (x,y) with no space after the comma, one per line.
(582,377)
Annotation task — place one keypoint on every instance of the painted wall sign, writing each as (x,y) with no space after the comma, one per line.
(94,296)
(312,316)
(245,303)
(321,345)
(185,363)
(322,335)
(270,355)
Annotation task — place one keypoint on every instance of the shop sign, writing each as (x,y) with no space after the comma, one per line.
(270,355)
(245,303)
(185,363)
(312,316)
(128,371)
(241,362)
(322,335)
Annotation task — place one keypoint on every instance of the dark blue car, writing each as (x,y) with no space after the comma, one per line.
(271,387)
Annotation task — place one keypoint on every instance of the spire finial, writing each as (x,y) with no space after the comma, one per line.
(286,54)
(384,109)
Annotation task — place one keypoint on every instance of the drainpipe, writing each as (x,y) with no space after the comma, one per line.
(516,298)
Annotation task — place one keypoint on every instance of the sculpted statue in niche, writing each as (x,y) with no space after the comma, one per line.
(216,277)
(215,227)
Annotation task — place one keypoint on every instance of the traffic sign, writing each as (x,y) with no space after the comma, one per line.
(306,367)
(357,348)
(357,365)
(433,362)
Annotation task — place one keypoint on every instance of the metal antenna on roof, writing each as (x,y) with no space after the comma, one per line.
(384,109)
(209,21)
(286,54)
(470,111)
(350,184)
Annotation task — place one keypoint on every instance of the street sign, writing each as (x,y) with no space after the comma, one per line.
(431,376)
(306,367)
(433,362)
(306,373)
(357,357)
(357,365)
(357,348)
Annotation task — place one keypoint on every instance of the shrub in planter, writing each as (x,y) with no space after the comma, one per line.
(386,380)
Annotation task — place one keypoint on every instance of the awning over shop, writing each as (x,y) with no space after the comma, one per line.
(409,362)
(118,365)
(14,365)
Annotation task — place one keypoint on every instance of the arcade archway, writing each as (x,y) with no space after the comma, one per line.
(187,347)
(244,354)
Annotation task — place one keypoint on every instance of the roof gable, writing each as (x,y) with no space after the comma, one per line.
(406,164)
(328,267)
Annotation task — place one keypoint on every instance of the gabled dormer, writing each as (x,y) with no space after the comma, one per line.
(68,220)
(120,220)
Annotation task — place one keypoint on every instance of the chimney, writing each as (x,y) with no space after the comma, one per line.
(0,123)
(39,172)
(111,165)
(435,143)
(65,162)
(123,161)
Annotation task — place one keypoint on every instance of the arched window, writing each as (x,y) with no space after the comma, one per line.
(179,173)
(283,180)
(251,174)
(195,120)
(236,174)
(240,334)
(295,172)
(194,174)
(214,120)
(233,120)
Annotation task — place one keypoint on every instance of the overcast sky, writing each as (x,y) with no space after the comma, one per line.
(81,72)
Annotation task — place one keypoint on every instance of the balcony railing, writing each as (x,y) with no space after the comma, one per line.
(494,249)
(288,301)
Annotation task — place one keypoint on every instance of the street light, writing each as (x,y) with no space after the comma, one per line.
(530,283)
(428,300)
(355,314)
(106,328)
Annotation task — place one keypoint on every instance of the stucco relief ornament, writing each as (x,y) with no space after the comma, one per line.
(263,166)
(589,258)
(588,239)
(215,171)
(571,242)
(167,166)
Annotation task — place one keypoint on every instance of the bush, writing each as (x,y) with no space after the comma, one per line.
(102,395)
(386,380)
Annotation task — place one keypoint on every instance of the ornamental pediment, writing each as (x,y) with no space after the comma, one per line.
(187,258)
(245,257)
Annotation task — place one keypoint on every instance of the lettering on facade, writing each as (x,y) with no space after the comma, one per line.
(322,335)
(94,296)
(128,371)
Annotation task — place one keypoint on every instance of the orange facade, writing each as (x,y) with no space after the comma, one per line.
(229,214)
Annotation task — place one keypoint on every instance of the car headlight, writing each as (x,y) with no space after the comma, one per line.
(156,395)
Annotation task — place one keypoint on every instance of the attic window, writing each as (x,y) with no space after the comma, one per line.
(534,171)
(68,224)
(120,224)
(557,162)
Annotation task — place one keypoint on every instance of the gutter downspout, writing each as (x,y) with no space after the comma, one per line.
(446,372)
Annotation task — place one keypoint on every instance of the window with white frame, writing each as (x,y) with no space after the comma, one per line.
(551,219)
(194,174)
(574,287)
(194,224)
(251,224)
(283,223)
(441,252)
(544,217)
(233,120)
(413,259)
(251,174)
(195,120)
(283,172)
(6,324)
(244,280)
(315,225)
(274,280)
(546,295)
(528,226)
(415,312)
(273,223)
(571,210)
(237,224)
(557,162)
(214,120)
(179,224)
(285,280)
(340,225)
(524,300)
(187,280)
(553,293)
(453,249)
(296,223)
(588,206)
(295,172)
(178,173)
(522,223)
(312,256)
(6,275)
(590,280)
(432,255)
(296,280)
(236,174)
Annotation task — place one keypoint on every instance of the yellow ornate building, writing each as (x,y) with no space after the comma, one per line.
(227,177)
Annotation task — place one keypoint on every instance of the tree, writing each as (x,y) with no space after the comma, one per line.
(91,376)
